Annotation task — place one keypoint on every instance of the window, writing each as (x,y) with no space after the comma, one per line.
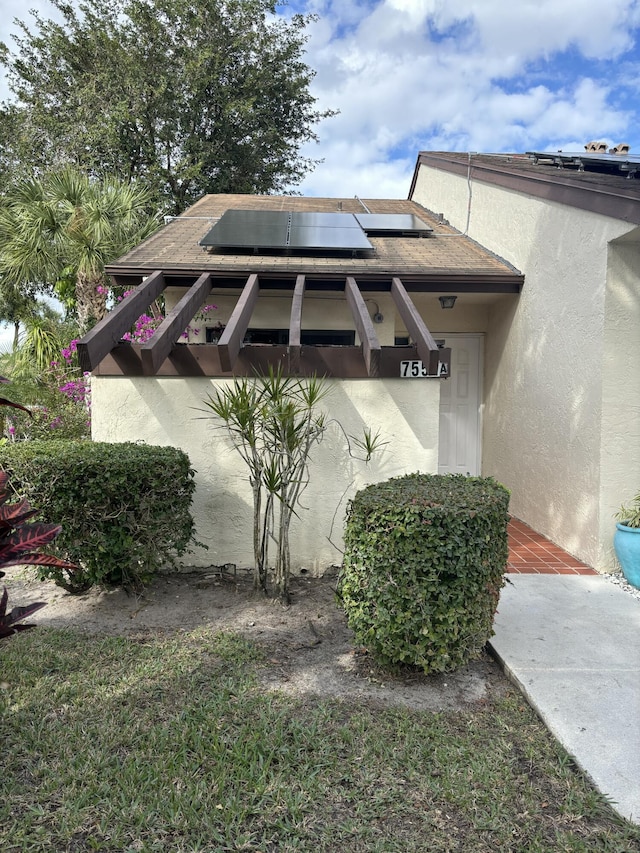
(267,336)
(280,337)
(328,337)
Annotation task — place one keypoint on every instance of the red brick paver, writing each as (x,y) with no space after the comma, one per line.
(530,553)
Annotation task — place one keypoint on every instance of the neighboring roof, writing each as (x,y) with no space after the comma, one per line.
(422,261)
(607,193)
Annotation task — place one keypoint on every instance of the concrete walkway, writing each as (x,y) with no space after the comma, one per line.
(572,644)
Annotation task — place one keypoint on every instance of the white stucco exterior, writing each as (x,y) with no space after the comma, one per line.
(322,311)
(167,411)
(561,386)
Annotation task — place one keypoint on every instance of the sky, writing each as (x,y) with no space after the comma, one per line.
(455,75)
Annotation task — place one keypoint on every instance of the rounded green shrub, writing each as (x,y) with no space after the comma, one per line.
(124,508)
(424,563)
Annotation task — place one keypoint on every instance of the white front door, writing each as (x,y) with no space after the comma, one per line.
(460,406)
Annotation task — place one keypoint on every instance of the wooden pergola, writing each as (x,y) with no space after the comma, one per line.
(104,352)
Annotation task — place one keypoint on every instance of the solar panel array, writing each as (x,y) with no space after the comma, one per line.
(591,160)
(270,230)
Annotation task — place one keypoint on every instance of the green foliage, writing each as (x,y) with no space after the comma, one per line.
(629,514)
(124,507)
(66,221)
(423,567)
(57,397)
(191,96)
(53,417)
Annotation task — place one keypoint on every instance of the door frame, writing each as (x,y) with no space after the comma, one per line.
(480,337)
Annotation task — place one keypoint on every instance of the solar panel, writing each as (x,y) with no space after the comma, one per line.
(591,160)
(312,219)
(270,229)
(250,229)
(389,224)
(339,239)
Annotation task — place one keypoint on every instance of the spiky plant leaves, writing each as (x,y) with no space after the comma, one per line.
(9,621)
(19,542)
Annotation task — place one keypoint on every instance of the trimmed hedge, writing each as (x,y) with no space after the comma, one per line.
(124,508)
(424,563)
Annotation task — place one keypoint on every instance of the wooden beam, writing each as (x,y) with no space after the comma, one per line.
(295,324)
(236,328)
(344,362)
(369,339)
(106,334)
(425,344)
(167,334)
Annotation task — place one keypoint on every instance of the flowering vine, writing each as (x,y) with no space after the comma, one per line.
(74,387)
(63,407)
(146,324)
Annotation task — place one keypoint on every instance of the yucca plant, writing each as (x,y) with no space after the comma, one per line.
(274,423)
(629,514)
(19,544)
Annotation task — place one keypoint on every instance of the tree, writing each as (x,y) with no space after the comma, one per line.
(65,220)
(14,153)
(16,305)
(192,96)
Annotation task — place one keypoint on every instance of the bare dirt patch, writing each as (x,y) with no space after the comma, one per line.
(309,648)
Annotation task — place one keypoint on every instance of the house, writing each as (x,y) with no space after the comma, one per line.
(560,380)
(357,291)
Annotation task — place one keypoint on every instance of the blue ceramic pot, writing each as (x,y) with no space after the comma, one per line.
(626,542)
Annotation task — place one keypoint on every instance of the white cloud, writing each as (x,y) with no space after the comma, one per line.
(457,74)
(530,28)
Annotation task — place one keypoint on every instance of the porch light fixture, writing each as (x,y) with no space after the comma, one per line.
(447,301)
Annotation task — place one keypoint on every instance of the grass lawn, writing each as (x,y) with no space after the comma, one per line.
(169,744)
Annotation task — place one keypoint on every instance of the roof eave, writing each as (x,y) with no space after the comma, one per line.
(467,281)
(555,188)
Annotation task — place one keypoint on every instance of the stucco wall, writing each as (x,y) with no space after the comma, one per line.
(620,433)
(320,311)
(545,354)
(165,411)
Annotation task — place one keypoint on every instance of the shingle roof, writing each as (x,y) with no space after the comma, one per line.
(175,247)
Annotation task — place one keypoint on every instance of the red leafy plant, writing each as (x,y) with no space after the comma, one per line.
(19,544)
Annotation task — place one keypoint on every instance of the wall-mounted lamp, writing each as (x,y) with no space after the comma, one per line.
(376,316)
(447,301)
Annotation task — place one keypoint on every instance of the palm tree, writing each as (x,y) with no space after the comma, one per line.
(42,336)
(16,304)
(68,220)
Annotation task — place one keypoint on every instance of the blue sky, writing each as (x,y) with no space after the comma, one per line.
(459,75)
(466,75)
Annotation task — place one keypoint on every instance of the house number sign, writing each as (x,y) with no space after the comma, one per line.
(417,369)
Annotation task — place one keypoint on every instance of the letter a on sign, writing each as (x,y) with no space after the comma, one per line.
(443,370)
